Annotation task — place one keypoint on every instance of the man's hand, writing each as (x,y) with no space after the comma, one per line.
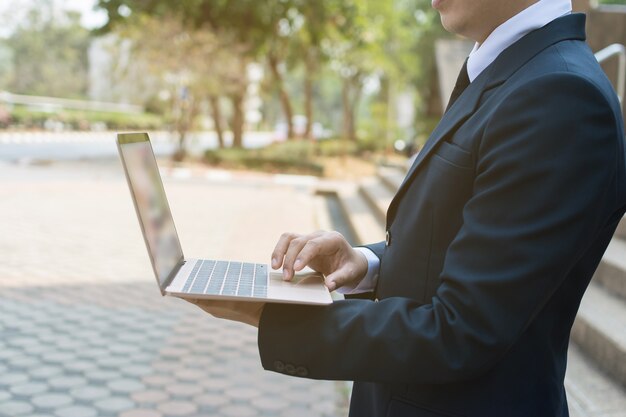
(325,252)
(248,312)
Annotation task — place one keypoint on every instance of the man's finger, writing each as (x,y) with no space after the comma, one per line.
(312,249)
(295,246)
(281,248)
(339,278)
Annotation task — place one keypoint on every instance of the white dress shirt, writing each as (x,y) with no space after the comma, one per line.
(534,17)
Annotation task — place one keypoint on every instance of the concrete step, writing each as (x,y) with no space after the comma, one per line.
(365,226)
(378,196)
(621,229)
(611,272)
(590,392)
(600,331)
(391,177)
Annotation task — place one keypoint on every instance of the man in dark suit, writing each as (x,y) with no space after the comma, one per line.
(491,242)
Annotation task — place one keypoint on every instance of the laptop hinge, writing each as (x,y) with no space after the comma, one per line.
(172,275)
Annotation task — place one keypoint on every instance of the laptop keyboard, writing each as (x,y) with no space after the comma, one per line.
(228,278)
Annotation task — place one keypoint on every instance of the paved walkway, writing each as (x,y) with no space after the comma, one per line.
(83,329)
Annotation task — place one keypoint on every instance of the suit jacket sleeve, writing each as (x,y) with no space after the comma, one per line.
(544,185)
(377,248)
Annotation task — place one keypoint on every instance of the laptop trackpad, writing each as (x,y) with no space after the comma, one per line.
(305,287)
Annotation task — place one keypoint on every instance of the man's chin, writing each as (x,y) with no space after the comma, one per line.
(437,4)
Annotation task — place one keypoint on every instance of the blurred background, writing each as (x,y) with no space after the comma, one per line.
(292,115)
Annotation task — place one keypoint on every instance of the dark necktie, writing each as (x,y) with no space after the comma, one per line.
(461,84)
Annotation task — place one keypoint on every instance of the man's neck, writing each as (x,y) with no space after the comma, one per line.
(505,12)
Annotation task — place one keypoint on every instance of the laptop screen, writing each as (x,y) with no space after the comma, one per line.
(152,207)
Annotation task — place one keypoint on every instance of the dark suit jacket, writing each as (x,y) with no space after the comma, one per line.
(494,236)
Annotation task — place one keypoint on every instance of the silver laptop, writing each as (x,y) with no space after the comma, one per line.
(200,278)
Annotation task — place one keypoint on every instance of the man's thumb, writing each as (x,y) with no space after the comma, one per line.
(336,280)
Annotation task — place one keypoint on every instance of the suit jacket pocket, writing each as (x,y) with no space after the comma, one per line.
(399,407)
(454,155)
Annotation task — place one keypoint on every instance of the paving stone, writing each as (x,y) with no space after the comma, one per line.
(66,382)
(76,411)
(174,352)
(49,401)
(325,407)
(271,387)
(302,397)
(9,353)
(125,385)
(102,375)
(216,384)
(183,390)
(36,349)
(138,338)
(23,341)
(190,374)
(242,393)
(114,404)
(13,378)
(269,404)
(142,358)
(197,361)
(29,389)
(69,344)
(166,366)
(210,400)
(113,362)
(158,380)
(137,370)
(177,408)
(45,371)
(90,393)
(15,408)
(300,412)
(24,362)
(124,349)
(58,357)
(141,413)
(151,396)
(79,366)
(37,415)
(239,411)
(94,353)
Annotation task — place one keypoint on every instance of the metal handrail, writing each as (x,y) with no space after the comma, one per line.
(609,52)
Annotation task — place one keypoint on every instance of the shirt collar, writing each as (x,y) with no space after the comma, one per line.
(534,17)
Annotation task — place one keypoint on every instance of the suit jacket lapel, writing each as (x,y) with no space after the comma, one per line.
(507,63)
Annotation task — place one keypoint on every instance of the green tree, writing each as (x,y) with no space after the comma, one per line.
(358,40)
(246,24)
(49,53)
(193,64)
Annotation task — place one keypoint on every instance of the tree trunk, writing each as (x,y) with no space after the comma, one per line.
(188,113)
(238,120)
(217,119)
(284,97)
(350,95)
(308,95)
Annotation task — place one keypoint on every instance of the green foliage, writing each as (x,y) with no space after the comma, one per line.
(612,1)
(80,120)
(289,157)
(338,43)
(49,55)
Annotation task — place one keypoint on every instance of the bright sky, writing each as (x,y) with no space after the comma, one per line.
(15,10)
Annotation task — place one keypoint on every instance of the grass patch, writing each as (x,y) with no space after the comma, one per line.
(85,120)
(295,157)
